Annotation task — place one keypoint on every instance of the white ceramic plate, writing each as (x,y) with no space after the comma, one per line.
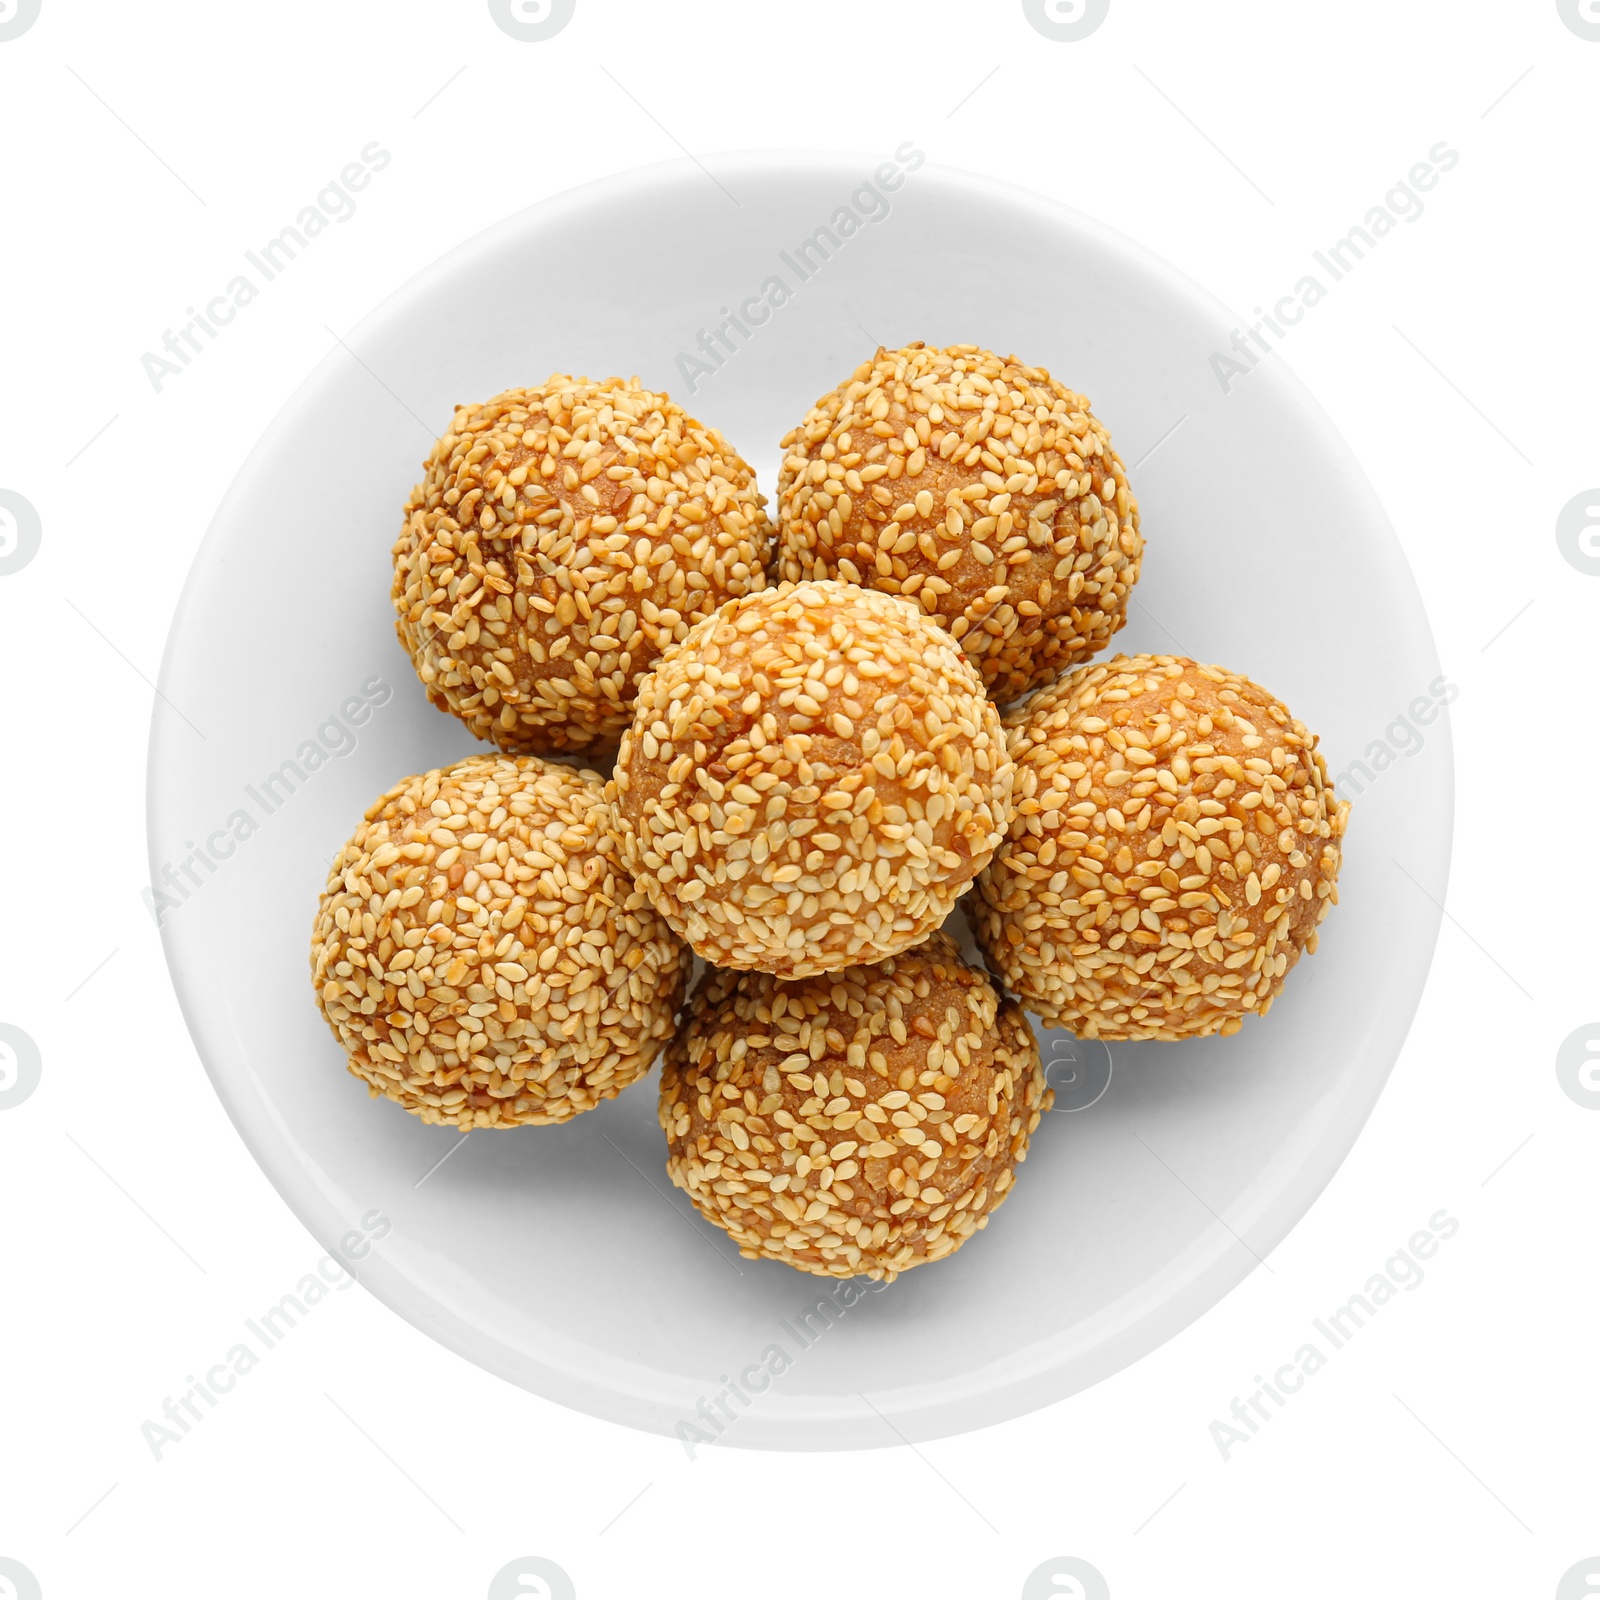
(561,1257)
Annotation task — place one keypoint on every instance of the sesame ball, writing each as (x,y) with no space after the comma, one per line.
(480,956)
(1175,844)
(811,780)
(976,486)
(559,539)
(859,1123)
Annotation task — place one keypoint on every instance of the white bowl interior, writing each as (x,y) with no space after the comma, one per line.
(561,1257)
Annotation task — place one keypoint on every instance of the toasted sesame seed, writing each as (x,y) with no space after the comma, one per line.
(811,780)
(481,956)
(560,538)
(791,1164)
(962,445)
(1174,844)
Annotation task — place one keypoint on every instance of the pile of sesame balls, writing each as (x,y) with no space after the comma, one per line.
(790,751)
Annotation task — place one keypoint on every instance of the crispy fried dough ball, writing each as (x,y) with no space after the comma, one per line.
(560,538)
(976,486)
(480,955)
(812,779)
(1174,846)
(864,1122)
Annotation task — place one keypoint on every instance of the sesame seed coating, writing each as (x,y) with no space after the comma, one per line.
(976,486)
(1174,846)
(811,780)
(481,957)
(560,537)
(860,1123)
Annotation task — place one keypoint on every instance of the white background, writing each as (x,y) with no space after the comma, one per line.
(1449,1448)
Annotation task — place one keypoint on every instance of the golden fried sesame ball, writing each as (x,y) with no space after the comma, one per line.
(480,956)
(980,488)
(560,537)
(859,1123)
(1175,844)
(811,780)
